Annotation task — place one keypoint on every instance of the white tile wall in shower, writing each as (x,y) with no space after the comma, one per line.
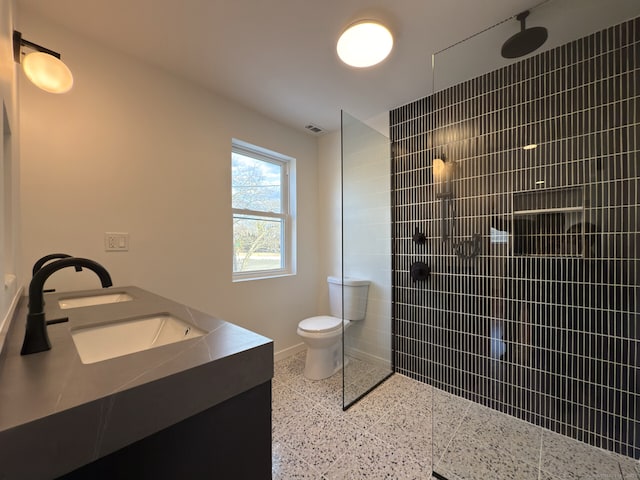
(367,236)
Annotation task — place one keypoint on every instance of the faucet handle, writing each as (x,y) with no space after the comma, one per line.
(57,320)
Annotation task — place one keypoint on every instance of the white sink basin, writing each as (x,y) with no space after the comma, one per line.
(110,340)
(76,302)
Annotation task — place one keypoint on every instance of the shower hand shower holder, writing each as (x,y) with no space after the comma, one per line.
(465,249)
(445,200)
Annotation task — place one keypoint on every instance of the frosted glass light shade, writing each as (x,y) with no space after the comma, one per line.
(365,44)
(442,170)
(439,168)
(47,72)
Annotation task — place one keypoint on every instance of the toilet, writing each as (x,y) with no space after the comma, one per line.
(323,334)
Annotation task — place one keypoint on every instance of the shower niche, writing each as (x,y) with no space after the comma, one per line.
(551,223)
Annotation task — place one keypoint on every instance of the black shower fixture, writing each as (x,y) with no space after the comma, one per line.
(419,237)
(525,41)
(420,271)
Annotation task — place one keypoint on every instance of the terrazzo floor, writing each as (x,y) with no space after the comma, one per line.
(387,435)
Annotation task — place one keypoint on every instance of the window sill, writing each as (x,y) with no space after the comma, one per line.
(245,277)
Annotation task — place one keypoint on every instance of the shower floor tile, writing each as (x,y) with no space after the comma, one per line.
(389,434)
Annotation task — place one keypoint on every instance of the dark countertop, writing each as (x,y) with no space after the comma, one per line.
(57,413)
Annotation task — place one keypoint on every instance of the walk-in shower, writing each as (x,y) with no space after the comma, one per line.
(542,322)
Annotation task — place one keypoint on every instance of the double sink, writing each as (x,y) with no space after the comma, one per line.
(104,341)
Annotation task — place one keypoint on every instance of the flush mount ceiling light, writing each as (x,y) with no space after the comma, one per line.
(364,44)
(42,66)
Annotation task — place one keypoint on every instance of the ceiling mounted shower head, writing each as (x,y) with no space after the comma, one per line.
(525,41)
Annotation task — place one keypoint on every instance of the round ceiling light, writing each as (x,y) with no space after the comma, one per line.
(365,44)
(47,72)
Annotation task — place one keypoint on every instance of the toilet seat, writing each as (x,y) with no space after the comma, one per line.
(321,324)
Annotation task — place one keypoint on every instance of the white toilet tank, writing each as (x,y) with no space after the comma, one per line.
(355,297)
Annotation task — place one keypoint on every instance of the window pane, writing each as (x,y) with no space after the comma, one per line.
(256,244)
(255,184)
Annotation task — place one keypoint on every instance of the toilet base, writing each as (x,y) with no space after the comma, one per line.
(322,363)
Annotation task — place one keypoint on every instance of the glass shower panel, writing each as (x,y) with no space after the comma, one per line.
(366,258)
(531,222)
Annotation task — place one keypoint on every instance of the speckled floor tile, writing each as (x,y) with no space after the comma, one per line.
(502,433)
(568,459)
(351,392)
(366,381)
(412,394)
(292,427)
(320,438)
(355,369)
(404,429)
(546,476)
(387,435)
(470,458)
(630,468)
(286,465)
(288,369)
(448,405)
(372,408)
(287,405)
(632,475)
(328,390)
(448,411)
(370,458)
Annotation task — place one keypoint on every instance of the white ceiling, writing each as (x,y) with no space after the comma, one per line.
(278,56)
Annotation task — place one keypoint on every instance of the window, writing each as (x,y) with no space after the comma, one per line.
(263,221)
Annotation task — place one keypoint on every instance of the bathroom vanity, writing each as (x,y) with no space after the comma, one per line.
(193,407)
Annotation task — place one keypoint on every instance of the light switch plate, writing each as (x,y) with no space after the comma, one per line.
(116,241)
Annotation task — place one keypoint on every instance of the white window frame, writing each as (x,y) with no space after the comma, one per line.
(287,216)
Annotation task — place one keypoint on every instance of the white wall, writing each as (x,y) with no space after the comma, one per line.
(367,228)
(9,170)
(329,214)
(134,149)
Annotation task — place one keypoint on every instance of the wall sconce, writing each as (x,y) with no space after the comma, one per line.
(42,66)
(442,170)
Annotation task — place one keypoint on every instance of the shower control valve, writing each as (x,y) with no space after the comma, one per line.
(419,237)
(420,271)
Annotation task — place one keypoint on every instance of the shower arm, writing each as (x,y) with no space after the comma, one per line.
(522,17)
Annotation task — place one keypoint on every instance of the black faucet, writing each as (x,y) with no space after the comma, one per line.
(35,337)
(52,256)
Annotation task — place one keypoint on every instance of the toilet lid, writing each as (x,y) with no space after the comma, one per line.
(323,323)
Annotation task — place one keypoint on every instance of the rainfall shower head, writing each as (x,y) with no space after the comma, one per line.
(525,41)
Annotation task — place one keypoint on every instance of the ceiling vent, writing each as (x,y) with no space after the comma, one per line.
(314,128)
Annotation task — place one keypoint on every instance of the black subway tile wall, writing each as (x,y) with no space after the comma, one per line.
(532,306)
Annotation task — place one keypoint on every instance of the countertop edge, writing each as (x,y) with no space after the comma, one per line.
(96,429)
